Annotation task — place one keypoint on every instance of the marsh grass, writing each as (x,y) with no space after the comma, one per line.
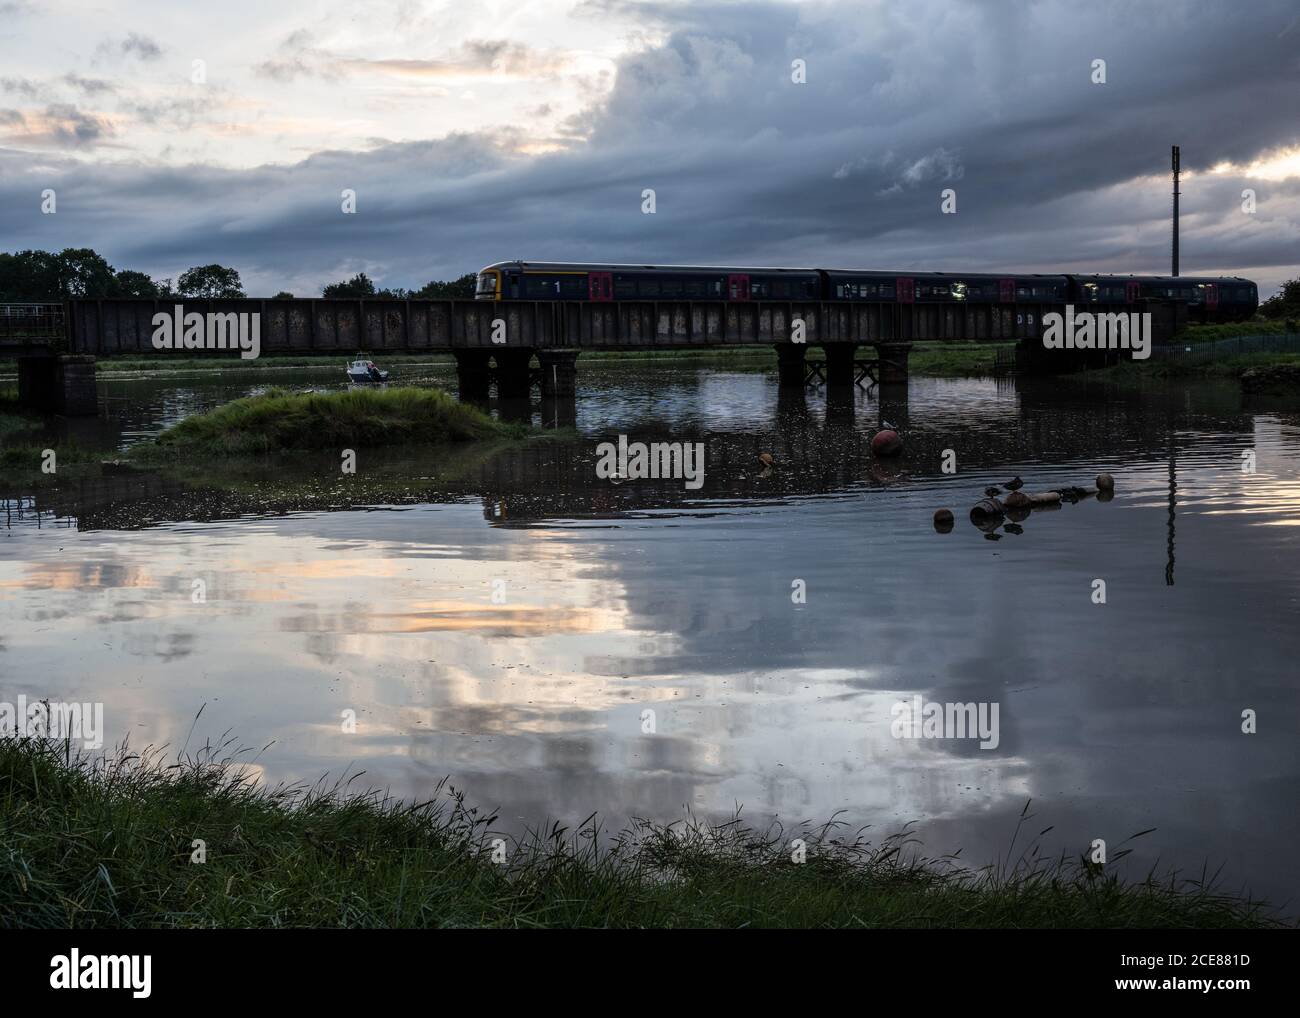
(1227,367)
(107,842)
(277,420)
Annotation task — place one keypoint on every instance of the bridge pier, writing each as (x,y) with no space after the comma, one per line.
(513,380)
(473,374)
(559,373)
(791,368)
(58,384)
(839,364)
(892,358)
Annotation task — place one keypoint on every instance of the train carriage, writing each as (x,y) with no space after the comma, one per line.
(1207,298)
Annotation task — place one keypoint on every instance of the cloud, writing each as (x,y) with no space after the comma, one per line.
(1052,171)
(472,59)
(61,125)
(141,46)
(90,86)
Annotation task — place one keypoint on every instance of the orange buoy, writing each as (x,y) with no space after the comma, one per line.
(887,443)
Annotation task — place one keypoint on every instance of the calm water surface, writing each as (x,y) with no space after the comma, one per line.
(327,593)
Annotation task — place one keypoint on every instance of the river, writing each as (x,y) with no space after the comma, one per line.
(560,645)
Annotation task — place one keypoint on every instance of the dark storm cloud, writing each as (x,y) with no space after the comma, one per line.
(1051,170)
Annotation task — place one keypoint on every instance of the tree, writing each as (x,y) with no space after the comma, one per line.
(457,289)
(129,283)
(283,295)
(359,285)
(1285,303)
(210,281)
(83,273)
(29,276)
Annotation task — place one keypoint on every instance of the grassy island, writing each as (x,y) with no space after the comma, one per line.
(277,420)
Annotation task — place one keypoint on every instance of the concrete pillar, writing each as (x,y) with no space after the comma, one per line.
(513,381)
(839,363)
(791,370)
(36,383)
(893,362)
(559,372)
(58,384)
(473,374)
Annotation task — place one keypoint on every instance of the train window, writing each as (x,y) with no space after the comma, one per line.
(649,288)
(959,291)
(670,288)
(539,286)
(695,288)
(780,288)
(716,286)
(624,287)
(573,287)
(757,288)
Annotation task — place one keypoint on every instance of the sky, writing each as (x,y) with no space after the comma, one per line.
(177,133)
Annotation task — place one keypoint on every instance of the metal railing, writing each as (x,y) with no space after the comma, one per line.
(31,321)
(1231,346)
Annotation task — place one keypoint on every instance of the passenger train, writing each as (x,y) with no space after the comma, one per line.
(1208,299)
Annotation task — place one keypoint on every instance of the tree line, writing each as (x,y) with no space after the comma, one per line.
(81,272)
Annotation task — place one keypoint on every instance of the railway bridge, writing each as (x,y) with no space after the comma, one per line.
(57,345)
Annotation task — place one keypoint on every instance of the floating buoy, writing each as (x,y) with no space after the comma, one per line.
(986,507)
(1105,482)
(887,443)
(766,459)
(943,518)
(1016,499)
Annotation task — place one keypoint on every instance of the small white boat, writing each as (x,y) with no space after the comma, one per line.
(362,371)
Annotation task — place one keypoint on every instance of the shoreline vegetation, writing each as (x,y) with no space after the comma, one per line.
(278,420)
(113,841)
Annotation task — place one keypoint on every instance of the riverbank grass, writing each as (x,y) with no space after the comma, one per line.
(143,841)
(279,420)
